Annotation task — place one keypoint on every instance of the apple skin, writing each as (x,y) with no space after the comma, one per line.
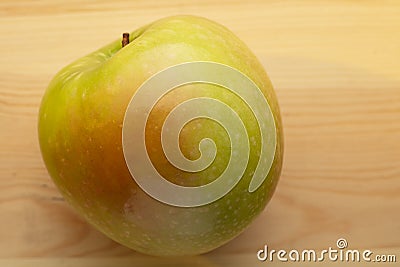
(80,129)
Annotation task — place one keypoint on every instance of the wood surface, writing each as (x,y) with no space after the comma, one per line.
(335,66)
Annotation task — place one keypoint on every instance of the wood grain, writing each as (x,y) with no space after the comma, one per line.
(336,70)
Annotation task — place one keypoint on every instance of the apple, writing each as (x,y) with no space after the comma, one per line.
(91,137)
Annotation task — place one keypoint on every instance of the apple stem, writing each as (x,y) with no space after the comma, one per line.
(125,39)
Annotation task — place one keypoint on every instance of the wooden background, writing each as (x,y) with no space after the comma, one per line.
(335,66)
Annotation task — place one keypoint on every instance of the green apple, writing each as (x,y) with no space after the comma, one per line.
(82,119)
